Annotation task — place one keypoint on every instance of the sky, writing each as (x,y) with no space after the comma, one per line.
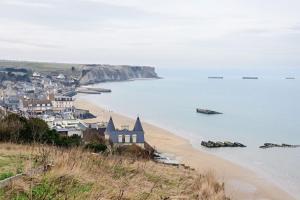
(163,33)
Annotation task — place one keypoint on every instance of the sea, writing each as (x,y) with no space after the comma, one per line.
(255,111)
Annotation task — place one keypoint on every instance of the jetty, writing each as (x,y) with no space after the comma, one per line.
(271,145)
(211,144)
(208,112)
(89,90)
(250,77)
(215,77)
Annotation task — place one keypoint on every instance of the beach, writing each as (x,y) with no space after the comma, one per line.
(240,183)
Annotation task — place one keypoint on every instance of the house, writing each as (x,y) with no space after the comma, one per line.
(61,77)
(62,103)
(12,102)
(68,127)
(125,136)
(36,75)
(83,114)
(36,106)
(69,123)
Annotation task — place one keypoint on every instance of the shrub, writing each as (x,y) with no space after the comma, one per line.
(71,141)
(12,127)
(96,147)
(132,151)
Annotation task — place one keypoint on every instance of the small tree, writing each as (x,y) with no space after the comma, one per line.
(38,129)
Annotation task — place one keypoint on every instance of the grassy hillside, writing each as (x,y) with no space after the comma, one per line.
(39,66)
(78,174)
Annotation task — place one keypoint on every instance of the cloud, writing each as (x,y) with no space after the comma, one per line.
(32,44)
(20,3)
(296,27)
(169,32)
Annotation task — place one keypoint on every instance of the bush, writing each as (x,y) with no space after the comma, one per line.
(35,130)
(71,141)
(15,128)
(96,147)
(133,151)
(12,127)
(51,137)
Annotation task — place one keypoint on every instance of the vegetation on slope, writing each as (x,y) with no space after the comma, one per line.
(79,174)
(17,129)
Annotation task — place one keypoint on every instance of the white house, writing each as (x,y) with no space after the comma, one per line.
(62,102)
(36,106)
(36,75)
(69,126)
(61,76)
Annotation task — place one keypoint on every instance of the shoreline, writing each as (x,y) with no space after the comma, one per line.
(240,183)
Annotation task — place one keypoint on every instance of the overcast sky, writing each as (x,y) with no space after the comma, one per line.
(164,33)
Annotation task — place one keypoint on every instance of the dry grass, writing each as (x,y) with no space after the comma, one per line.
(77,174)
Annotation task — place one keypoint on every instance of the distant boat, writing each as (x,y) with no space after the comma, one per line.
(250,77)
(208,112)
(215,77)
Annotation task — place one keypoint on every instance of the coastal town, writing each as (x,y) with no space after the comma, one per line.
(148,100)
(51,98)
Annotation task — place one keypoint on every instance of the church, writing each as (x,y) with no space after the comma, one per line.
(125,136)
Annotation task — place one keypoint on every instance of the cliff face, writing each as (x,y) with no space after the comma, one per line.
(103,73)
(85,73)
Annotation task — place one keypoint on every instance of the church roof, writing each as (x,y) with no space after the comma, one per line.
(110,125)
(138,125)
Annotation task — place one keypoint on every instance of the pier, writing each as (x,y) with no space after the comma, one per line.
(250,77)
(215,77)
(88,90)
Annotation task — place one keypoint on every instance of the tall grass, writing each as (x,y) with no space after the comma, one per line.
(78,174)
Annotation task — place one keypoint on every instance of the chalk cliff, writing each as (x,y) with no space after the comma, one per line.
(102,73)
(84,73)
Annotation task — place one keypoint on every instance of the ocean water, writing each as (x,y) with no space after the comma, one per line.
(255,112)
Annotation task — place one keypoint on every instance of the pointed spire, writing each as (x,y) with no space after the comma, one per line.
(138,125)
(110,125)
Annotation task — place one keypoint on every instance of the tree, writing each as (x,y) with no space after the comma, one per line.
(11,127)
(37,128)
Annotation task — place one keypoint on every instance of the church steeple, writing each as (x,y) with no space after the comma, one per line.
(110,125)
(138,125)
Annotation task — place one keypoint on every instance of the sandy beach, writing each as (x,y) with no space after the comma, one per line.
(240,183)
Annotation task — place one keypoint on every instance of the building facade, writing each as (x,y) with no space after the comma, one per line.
(36,106)
(125,136)
(62,102)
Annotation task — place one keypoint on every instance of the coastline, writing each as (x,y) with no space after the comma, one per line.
(240,183)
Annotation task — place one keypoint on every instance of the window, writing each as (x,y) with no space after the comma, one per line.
(134,138)
(120,138)
(127,138)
